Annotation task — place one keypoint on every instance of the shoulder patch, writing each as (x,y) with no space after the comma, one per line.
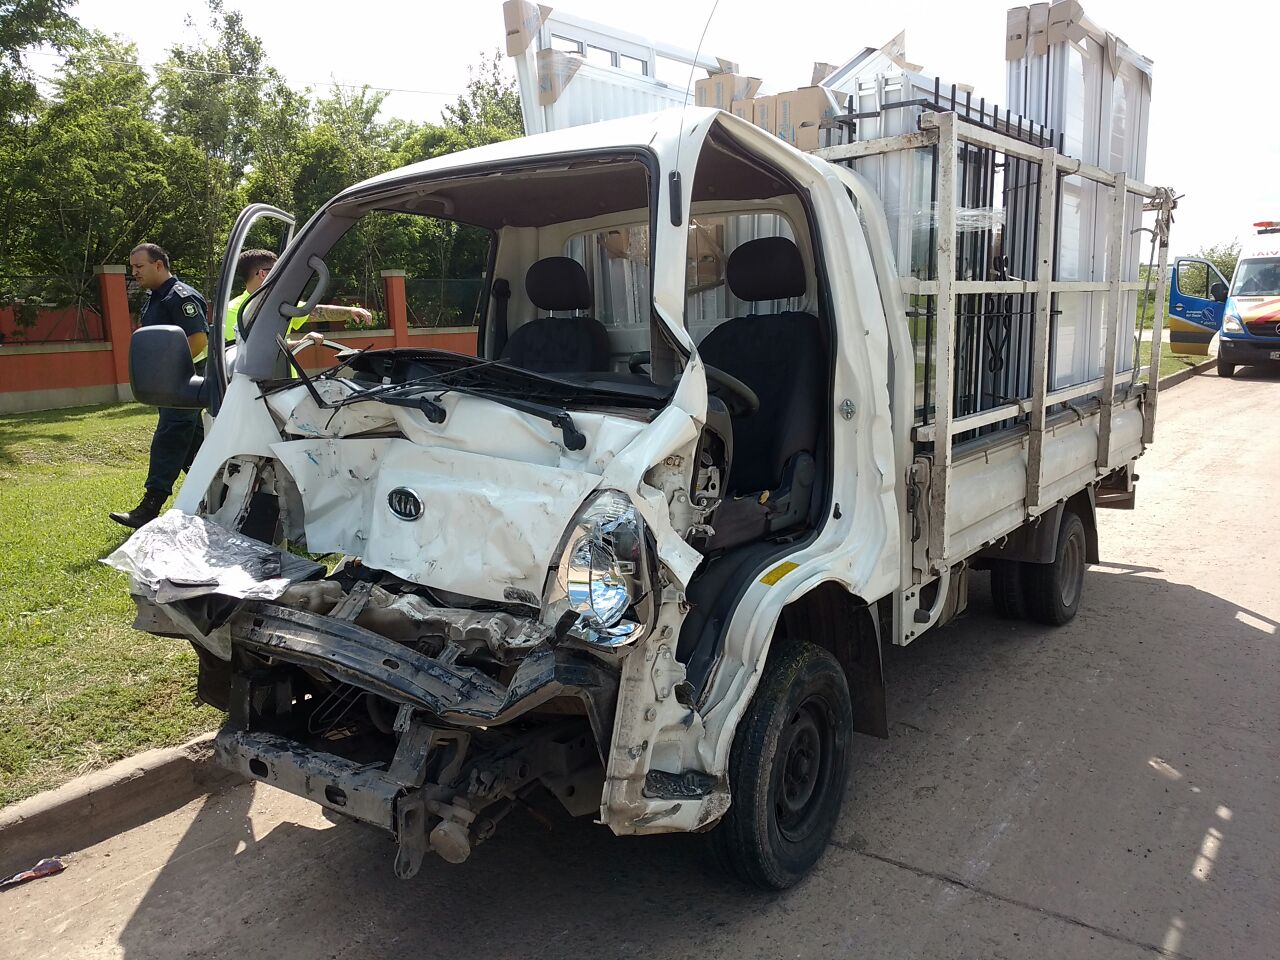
(190,309)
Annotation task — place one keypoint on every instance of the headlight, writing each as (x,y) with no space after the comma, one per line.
(602,570)
(1231,323)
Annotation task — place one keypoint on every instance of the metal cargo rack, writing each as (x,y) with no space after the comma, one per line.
(961,400)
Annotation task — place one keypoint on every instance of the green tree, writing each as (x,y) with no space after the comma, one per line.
(1223,256)
(489,110)
(98,174)
(221,94)
(25,24)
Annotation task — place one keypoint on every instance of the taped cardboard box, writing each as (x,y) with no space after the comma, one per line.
(799,116)
(705,254)
(763,111)
(722,89)
(555,70)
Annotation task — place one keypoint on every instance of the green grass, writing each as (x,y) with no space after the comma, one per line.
(79,688)
(1169,362)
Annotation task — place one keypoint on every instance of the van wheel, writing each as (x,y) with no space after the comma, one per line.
(1225,369)
(1053,590)
(1008,589)
(787,771)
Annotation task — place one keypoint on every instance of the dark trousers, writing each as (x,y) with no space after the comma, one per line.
(177,438)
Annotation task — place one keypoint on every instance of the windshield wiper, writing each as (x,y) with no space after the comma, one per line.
(434,411)
(409,394)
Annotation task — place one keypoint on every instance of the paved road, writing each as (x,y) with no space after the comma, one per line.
(1106,790)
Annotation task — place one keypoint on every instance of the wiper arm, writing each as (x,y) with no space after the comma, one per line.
(574,439)
(434,411)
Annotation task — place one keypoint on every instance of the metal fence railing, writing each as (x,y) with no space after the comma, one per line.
(442,302)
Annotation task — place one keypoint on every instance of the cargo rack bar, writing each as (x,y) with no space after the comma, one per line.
(945,131)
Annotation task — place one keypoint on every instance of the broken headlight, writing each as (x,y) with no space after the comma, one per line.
(601,574)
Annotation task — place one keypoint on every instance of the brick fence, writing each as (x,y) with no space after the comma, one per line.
(46,376)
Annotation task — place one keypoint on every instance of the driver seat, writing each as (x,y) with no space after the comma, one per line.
(781,357)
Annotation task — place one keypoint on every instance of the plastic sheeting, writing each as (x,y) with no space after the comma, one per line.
(1076,78)
(177,556)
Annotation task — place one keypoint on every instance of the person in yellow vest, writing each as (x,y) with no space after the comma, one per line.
(252,269)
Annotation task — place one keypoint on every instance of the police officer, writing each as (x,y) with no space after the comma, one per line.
(179,432)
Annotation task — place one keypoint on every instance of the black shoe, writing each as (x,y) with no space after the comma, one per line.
(145,512)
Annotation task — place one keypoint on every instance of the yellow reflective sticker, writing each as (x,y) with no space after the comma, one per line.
(778,572)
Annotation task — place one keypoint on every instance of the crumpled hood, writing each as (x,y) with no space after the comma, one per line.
(498,488)
(489,527)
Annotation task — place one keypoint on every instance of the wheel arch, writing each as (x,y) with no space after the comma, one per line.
(849,628)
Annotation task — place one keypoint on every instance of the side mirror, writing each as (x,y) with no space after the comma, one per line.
(161,372)
(1218,291)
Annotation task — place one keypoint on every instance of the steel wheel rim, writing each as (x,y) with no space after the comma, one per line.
(804,769)
(1072,569)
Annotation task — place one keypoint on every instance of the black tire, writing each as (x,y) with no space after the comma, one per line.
(1008,589)
(1225,369)
(787,771)
(1053,590)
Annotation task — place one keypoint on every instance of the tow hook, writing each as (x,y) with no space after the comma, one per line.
(450,838)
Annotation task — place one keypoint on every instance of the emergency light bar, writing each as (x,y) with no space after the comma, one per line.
(1268,226)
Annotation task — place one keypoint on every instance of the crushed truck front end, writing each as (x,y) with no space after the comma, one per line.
(422,584)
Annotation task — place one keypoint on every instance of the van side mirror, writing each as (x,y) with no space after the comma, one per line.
(161,372)
(1218,291)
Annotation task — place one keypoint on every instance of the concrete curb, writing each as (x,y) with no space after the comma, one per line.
(1173,379)
(99,805)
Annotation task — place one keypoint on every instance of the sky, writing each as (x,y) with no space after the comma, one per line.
(1214,133)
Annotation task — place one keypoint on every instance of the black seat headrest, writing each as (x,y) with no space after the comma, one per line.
(558,283)
(769,268)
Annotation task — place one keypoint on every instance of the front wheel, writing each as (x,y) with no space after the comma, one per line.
(787,771)
(1225,369)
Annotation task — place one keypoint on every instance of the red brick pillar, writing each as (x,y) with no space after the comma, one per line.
(116,321)
(397,308)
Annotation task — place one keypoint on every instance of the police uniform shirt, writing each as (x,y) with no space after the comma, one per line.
(173,302)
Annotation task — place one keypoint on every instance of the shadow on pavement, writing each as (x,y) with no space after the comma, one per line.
(1069,778)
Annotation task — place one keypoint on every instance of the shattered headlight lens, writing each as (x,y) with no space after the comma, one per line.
(601,573)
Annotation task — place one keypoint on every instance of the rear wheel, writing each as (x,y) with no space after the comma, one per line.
(1226,369)
(1008,589)
(787,771)
(1053,590)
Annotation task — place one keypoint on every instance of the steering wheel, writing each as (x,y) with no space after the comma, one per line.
(741,400)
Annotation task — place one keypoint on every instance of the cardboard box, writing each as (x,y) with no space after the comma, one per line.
(743,108)
(721,89)
(799,114)
(762,113)
(705,254)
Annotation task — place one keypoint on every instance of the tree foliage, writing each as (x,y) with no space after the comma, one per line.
(25,24)
(1223,256)
(109,155)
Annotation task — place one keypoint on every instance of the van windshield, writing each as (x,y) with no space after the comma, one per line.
(1257,278)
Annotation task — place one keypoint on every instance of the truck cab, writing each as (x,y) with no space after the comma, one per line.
(1250,334)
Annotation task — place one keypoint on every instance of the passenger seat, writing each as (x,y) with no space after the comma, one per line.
(576,344)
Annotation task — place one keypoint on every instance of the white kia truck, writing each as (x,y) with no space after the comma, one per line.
(642,550)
